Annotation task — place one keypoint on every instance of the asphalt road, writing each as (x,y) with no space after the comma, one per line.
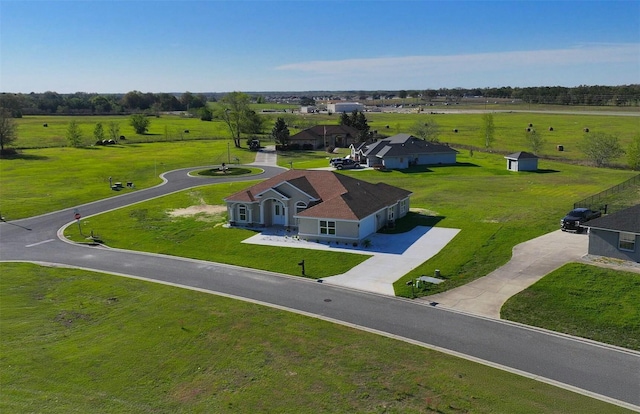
(605,372)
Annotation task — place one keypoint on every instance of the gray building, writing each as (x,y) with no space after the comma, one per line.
(403,151)
(522,161)
(616,235)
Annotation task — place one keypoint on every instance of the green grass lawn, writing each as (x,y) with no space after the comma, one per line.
(509,132)
(494,208)
(80,342)
(49,179)
(582,300)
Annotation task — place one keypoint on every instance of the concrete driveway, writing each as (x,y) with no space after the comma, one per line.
(531,261)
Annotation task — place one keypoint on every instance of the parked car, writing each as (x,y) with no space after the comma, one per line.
(576,217)
(334,161)
(346,163)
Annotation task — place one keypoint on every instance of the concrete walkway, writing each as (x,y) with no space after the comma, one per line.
(531,261)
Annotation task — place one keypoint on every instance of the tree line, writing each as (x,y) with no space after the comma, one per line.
(81,103)
(623,95)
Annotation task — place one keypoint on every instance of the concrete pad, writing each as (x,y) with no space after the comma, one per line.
(393,255)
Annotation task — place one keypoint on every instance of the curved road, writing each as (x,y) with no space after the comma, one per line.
(608,373)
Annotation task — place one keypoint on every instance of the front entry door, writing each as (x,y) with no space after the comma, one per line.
(278,214)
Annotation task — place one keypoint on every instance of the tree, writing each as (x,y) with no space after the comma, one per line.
(488,129)
(140,123)
(359,122)
(633,153)
(251,123)
(280,132)
(429,131)
(535,141)
(8,129)
(74,134)
(233,108)
(205,114)
(601,148)
(98,132)
(114,130)
(345,119)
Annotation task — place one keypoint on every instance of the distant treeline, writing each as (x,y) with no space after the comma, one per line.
(624,95)
(81,103)
(133,102)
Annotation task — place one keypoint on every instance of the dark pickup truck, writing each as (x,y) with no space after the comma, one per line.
(576,217)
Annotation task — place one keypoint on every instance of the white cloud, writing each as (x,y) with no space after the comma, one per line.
(479,62)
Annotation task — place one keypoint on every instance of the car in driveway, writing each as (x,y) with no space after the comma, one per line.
(574,219)
(344,163)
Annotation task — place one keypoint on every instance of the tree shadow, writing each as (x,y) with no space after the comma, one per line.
(27,157)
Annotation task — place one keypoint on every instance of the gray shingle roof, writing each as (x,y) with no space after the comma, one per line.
(627,220)
(404,145)
(520,155)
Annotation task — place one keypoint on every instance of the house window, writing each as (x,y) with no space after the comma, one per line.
(327,227)
(403,206)
(390,214)
(242,213)
(627,241)
(300,206)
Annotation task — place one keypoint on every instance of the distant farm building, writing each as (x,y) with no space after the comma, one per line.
(340,107)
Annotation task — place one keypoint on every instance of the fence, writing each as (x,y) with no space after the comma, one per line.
(606,200)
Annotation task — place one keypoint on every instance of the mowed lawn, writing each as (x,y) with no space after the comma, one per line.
(49,179)
(74,341)
(495,209)
(585,301)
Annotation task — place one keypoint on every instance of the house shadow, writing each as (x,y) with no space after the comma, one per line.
(430,167)
(412,220)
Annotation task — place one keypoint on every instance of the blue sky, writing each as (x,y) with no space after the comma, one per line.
(269,45)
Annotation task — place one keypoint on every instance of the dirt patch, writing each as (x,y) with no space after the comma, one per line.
(199,209)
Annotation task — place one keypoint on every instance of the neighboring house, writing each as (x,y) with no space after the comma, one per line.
(522,161)
(403,151)
(321,136)
(345,107)
(616,235)
(322,205)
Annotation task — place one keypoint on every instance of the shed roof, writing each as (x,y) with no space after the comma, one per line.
(520,155)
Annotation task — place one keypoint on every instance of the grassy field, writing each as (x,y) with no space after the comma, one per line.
(80,342)
(507,208)
(585,301)
(509,134)
(49,179)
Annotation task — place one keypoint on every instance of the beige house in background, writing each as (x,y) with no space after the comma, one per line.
(320,205)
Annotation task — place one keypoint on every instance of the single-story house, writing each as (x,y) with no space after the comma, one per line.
(403,151)
(321,205)
(522,161)
(321,136)
(616,235)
